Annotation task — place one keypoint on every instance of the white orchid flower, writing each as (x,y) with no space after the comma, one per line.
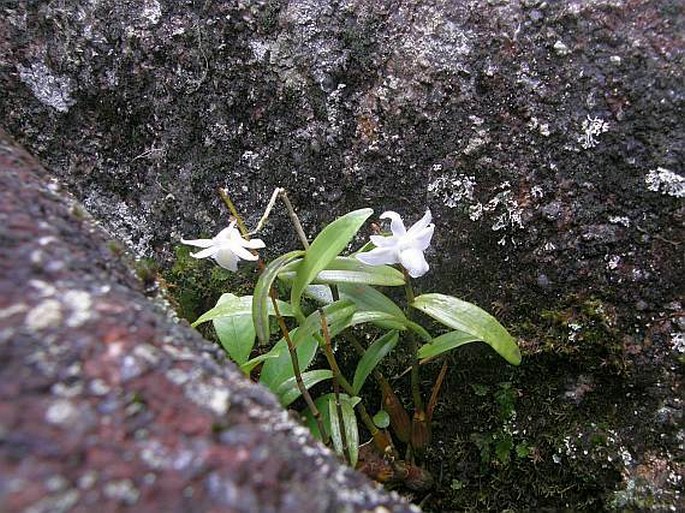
(227,248)
(404,246)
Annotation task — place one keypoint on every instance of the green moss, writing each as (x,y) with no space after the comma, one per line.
(194,285)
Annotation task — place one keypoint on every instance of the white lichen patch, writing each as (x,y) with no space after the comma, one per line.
(455,190)
(678,342)
(666,182)
(452,190)
(591,129)
(259,49)
(55,503)
(122,490)
(44,315)
(51,90)
(62,413)
(152,12)
(79,304)
(215,398)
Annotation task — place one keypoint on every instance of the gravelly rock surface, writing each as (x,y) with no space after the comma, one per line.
(546,137)
(106,405)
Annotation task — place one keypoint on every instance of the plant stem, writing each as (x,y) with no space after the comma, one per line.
(436,391)
(234,212)
(413,347)
(336,387)
(296,370)
(380,438)
(267,210)
(294,219)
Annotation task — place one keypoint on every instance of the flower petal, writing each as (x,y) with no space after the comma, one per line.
(241,252)
(396,223)
(227,233)
(227,259)
(254,244)
(378,256)
(414,262)
(422,223)
(382,242)
(200,243)
(209,252)
(422,239)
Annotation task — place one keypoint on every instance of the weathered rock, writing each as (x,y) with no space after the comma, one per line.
(107,405)
(546,137)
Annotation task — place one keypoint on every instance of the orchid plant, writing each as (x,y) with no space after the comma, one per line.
(332,296)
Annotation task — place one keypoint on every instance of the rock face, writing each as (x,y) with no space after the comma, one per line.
(107,405)
(546,137)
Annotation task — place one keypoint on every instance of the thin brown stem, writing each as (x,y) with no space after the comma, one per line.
(234,212)
(436,392)
(294,219)
(381,439)
(336,386)
(296,370)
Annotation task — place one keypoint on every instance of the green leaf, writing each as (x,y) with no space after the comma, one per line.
(233,326)
(372,356)
(322,294)
(445,343)
(350,270)
(467,317)
(327,245)
(349,421)
(237,336)
(249,365)
(369,299)
(321,405)
(229,305)
(288,391)
(386,319)
(381,419)
(280,368)
(261,300)
(338,315)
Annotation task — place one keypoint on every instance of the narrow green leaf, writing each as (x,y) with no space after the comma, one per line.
(369,299)
(445,343)
(387,319)
(280,368)
(288,391)
(229,305)
(327,245)
(249,365)
(372,357)
(261,300)
(349,270)
(338,315)
(467,317)
(349,420)
(321,405)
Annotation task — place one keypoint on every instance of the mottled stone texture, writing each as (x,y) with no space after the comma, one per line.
(546,137)
(106,405)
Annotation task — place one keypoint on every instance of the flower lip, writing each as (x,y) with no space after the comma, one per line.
(404,246)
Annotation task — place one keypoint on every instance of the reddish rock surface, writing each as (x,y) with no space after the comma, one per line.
(107,405)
